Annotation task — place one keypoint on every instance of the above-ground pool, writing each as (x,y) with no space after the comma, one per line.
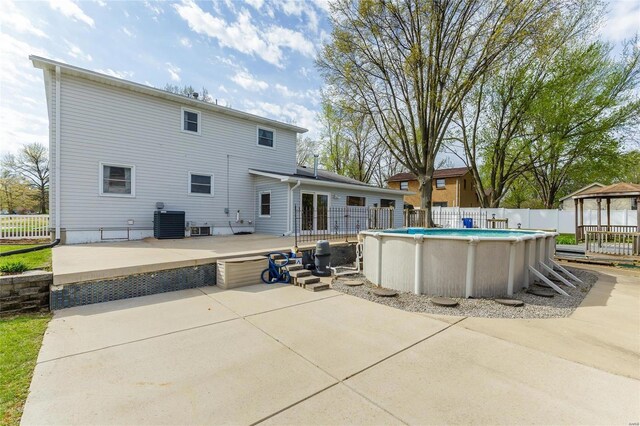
(455,262)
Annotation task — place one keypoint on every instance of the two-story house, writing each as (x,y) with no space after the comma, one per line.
(452,187)
(119,150)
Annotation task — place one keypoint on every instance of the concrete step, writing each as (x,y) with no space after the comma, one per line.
(281,262)
(294,267)
(317,287)
(303,281)
(300,273)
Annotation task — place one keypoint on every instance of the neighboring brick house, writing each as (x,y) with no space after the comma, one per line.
(451,188)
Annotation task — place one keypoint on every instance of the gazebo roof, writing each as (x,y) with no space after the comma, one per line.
(617,190)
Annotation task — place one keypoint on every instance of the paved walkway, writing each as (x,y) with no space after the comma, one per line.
(283,355)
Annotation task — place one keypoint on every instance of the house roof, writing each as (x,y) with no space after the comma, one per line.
(49,64)
(617,190)
(325,178)
(581,190)
(438,174)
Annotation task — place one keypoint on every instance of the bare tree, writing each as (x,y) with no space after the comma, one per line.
(305,149)
(410,63)
(32,164)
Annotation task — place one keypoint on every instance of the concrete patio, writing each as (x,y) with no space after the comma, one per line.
(283,355)
(85,262)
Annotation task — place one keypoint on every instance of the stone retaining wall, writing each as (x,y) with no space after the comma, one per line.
(28,292)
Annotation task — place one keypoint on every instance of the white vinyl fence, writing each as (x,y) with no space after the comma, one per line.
(562,221)
(16,227)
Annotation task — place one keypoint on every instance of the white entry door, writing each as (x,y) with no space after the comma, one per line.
(314,212)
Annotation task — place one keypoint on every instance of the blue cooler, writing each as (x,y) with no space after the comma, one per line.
(467,222)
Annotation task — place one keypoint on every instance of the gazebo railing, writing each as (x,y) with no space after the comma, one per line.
(614,243)
(583,229)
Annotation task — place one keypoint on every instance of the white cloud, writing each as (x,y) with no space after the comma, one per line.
(71,10)
(623,20)
(304,71)
(101,3)
(256,4)
(223,89)
(289,113)
(247,81)
(284,37)
(127,32)
(312,95)
(174,71)
(185,42)
(11,17)
(76,52)
(118,74)
(242,35)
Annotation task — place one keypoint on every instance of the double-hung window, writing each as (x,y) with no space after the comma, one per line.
(200,184)
(440,183)
(266,137)
(191,121)
(117,180)
(404,185)
(265,204)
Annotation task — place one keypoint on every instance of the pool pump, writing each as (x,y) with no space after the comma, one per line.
(322,259)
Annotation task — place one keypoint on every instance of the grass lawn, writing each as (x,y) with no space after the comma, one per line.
(20,340)
(566,239)
(40,259)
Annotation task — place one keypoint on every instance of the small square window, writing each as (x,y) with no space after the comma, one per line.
(404,185)
(190,121)
(265,204)
(200,184)
(354,201)
(387,203)
(117,180)
(266,137)
(440,183)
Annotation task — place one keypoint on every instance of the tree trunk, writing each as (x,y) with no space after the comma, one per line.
(43,200)
(426,193)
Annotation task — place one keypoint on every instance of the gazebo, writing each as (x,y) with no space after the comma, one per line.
(620,235)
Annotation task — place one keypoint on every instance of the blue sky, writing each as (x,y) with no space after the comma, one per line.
(253,55)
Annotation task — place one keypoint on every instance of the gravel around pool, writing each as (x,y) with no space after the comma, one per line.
(534,306)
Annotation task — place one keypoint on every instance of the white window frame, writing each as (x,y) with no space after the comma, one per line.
(258,128)
(197,194)
(346,200)
(404,181)
(195,111)
(260,204)
(101,180)
(444,184)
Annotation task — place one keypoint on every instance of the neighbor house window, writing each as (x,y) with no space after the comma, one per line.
(465,183)
(190,121)
(117,180)
(440,184)
(200,184)
(355,201)
(387,203)
(266,137)
(265,204)
(404,185)
(439,204)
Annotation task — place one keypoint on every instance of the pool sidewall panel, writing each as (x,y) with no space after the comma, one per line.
(398,263)
(492,269)
(444,267)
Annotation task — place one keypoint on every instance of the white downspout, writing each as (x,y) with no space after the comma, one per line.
(290,208)
(57,169)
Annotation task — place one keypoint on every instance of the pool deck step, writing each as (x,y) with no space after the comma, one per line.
(294,267)
(296,276)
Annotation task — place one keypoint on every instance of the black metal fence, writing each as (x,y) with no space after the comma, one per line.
(335,223)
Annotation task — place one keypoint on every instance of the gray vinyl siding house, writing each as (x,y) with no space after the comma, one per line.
(110,134)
